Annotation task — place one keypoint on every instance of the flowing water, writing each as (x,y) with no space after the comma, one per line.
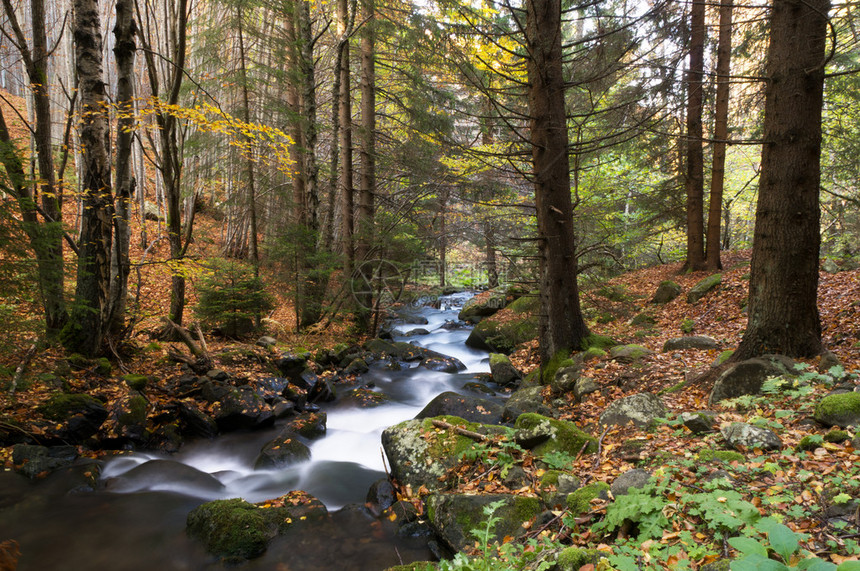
(137,521)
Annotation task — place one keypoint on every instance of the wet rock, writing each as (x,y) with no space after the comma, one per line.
(454,516)
(271,388)
(158,473)
(525,400)
(640,409)
(126,421)
(213,391)
(243,409)
(357,366)
(218,375)
(470,408)
(442,364)
(416,332)
(285,449)
(291,364)
(322,391)
(479,388)
(702,342)
(635,478)
(363,397)
(666,292)
(699,421)
(32,461)
(80,416)
(839,410)
(306,379)
(233,529)
(744,378)
(740,434)
(380,496)
(194,422)
(503,371)
(452,325)
(310,425)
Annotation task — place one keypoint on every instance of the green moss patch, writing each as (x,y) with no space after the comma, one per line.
(564,436)
(579,501)
(720,456)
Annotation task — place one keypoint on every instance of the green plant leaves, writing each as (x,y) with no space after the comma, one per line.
(748,546)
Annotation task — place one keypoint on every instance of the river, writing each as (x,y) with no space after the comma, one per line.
(135,520)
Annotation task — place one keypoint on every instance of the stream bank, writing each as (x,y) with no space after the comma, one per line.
(129,512)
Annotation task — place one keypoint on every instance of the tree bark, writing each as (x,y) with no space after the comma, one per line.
(51,267)
(124,32)
(783,310)
(90,316)
(249,161)
(347,190)
(561,324)
(721,136)
(695,160)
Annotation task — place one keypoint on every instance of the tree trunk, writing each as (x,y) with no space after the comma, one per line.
(721,136)
(344,29)
(249,161)
(90,317)
(51,268)
(124,49)
(367,185)
(561,324)
(783,310)
(695,161)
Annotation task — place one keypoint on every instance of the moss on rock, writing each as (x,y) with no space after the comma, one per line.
(839,409)
(709,455)
(232,529)
(564,436)
(593,340)
(580,501)
(61,406)
(573,558)
(514,325)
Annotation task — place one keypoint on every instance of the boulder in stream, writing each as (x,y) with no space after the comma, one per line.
(468,407)
(243,408)
(283,450)
(33,461)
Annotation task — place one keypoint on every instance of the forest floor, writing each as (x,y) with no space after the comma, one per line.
(790,481)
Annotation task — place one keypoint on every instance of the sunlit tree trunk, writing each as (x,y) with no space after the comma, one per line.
(721,135)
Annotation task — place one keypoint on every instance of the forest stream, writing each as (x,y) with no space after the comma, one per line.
(135,520)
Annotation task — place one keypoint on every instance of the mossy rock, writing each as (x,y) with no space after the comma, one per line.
(419,453)
(629,353)
(564,436)
(592,353)
(808,443)
(703,288)
(595,341)
(579,501)
(232,529)
(135,412)
(136,382)
(455,516)
(688,325)
(103,366)
(557,362)
(837,436)
(727,456)
(643,319)
(666,292)
(60,406)
(504,331)
(479,307)
(573,558)
(839,410)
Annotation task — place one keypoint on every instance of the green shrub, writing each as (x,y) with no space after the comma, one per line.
(231,298)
